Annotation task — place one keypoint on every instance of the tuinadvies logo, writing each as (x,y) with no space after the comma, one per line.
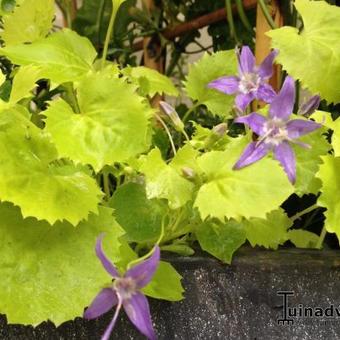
(303,313)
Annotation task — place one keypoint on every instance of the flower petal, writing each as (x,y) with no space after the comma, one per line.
(243,100)
(266,67)
(143,272)
(265,93)
(246,61)
(107,264)
(282,105)
(252,153)
(255,121)
(228,85)
(108,331)
(138,310)
(308,107)
(285,155)
(102,303)
(299,127)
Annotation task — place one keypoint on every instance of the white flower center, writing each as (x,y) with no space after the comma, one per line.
(249,82)
(125,287)
(275,132)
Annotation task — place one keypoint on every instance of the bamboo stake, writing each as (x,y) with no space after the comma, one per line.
(263,44)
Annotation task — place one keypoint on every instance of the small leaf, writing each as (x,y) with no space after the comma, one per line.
(166,284)
(209,68)
(308,162)
(250,192)
(112,127)
(140,217)
(312,55)
(62,57)
(325,118)
(24,82)
(150,81)
(163,181)
(221,239)
(303,238)
(270,232)
(330,194)
(186,157)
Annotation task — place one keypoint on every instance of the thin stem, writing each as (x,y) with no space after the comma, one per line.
(242,15)
(303,212)
(266,13)
(321,238)
(185,135)
(68,18)
(106,185)
(188,113)
(168,133)
(310,218)
(230,19)
(178,220)
(99,20)
(203,48)
(71,96)
(109,32)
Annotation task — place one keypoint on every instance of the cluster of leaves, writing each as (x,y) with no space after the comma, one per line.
(83,152)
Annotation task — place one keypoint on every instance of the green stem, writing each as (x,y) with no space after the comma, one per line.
(242,15)
(321,238)
(109,32)
(106,185)
(303,212)
(188,113)
(168,133)
(185,135)
(71,97)
(267,15)
(68,18)
(100,18)
(230,19)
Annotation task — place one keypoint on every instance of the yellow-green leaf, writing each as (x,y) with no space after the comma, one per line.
(312,56)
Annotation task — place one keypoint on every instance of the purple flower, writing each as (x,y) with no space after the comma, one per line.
(252,80)
(309,106)
(125,291)
(276,131)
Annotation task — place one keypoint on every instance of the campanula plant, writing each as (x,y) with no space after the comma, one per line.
(251,82)
(125,292)
(84,151)
(277,131)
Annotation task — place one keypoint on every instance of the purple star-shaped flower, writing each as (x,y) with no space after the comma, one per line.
(125,291)
(251,82)
(276,131)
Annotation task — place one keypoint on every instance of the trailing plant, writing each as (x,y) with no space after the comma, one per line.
(82,152)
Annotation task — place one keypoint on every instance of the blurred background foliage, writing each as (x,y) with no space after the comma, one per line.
(134,22)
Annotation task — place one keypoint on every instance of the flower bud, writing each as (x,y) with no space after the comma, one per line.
(173,115)
(309,106)
(188,172)
(220,129)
